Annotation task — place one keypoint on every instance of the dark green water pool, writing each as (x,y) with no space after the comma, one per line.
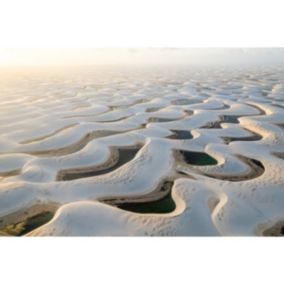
(198,158)
(164,205)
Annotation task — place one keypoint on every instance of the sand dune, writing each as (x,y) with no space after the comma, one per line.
(197,151)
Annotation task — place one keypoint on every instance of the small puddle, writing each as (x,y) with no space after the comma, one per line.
(164,205)
(181,134)
(157,119)
(153,109)
(198,158)
(230,118)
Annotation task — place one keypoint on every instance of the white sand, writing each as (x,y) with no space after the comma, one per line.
(59,121)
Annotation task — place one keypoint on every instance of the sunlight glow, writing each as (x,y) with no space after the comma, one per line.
(144,56)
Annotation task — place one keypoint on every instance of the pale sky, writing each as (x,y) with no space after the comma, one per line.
(141,23)
(65,32)
(134,56)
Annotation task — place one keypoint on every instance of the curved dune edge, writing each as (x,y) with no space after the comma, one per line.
(73,147)
(255,170)
(112,163)
(114,156)
(254,137)
(127,223)
(112,201)
(58,131)
(118,218)
(122,173)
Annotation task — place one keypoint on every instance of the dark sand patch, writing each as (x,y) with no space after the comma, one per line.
(277,230)
(25,220)
(31,223)
(281,125)
(10,173)
(188,112)
(212,203)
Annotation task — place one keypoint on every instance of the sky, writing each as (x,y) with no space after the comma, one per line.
(96,32)
(139,56)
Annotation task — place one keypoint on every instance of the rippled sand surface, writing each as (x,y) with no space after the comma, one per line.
(142,152)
